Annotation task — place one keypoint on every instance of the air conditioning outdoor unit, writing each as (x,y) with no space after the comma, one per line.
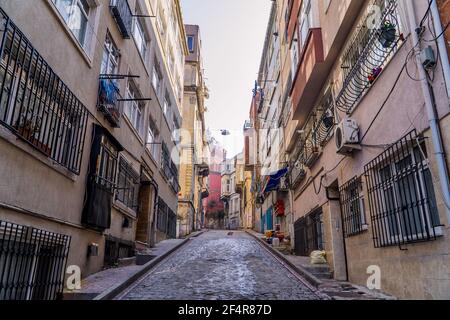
(284,184)
(347,137)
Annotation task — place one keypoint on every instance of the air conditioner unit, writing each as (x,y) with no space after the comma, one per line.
(298,174)
(347,137)
(284,184)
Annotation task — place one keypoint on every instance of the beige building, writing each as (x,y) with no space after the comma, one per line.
(365,115)
(194,168)
(86,124)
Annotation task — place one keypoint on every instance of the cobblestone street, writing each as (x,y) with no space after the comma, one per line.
(219,265)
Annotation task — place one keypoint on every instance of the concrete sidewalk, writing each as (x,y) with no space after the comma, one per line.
(337,290)
(108,283)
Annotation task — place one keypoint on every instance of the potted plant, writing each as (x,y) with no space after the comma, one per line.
(388,32)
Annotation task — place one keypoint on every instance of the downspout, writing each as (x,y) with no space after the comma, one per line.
(441,44)
(432,115)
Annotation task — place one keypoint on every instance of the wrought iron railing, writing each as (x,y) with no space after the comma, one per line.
(32,262)
(35,104)
(124,17)
(110,101)
(401,194)
(352,207)
(368,52)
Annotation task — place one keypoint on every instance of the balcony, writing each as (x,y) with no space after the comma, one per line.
(205,193)
(203,168)
(35,104)
(109,101)
(309,76)
(124,17)
(367,54)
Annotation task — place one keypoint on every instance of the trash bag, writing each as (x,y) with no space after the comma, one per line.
(318,257)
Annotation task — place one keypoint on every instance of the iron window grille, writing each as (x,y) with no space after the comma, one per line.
(106,171)
(309,234)
(368,53)
(32,262)
(128,185)
(166,219)
(352,207)
(123,16)
(402,201)
(116,249)
(35,104)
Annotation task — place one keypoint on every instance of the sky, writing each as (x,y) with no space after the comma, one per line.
(233,33)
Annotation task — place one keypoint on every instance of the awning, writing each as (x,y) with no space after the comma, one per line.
(273,180)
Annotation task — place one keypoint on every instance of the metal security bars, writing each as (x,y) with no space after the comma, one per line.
(35,104)
(309,234)
(166,219)
(124,17)
(32,262)
(128,185)
(368,52)
(352,207)
(401,195)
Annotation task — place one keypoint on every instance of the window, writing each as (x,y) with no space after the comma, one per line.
(401,194)
(191,44)
(105,175)
(140,38)
(110,60)
(127,185)
(36,104)
(305,22)
(156,79)
(133,110)
(152,139)
(76,14)
(352,207)
(166,105)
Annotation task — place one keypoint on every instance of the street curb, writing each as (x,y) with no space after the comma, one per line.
(313,280)
(117,289)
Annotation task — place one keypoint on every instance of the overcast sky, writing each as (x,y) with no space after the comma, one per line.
(233,33)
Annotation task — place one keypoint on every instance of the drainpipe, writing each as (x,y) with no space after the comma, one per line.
(432,115)
(441,44)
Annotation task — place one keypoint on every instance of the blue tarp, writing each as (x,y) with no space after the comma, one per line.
(274,179)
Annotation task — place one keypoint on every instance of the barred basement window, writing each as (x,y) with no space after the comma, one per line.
(35,104)
(32,262)
(128,185)
(352,208)
(401,195)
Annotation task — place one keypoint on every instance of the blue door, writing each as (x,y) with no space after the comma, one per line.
(269,219)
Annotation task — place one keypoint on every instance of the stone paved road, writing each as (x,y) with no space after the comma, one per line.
(220,266)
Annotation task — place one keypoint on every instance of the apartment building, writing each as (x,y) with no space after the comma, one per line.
(366,141)
(194,154)
(229,195)
(213,205)
(88,158)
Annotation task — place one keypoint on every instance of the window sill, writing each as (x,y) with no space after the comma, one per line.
(152,158)
(10,137)
(69,32)
(124,210)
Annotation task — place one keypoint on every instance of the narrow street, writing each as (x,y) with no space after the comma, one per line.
(220,265)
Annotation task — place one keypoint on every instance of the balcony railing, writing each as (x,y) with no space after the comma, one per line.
(32,263)
(368,53)
(124,17)
(35,104)
(109,101)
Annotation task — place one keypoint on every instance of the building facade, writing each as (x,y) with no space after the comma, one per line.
(194,153)
(365,114)
(86,123)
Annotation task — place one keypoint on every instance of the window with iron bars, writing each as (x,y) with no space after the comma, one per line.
(106,172)
(35,104)
(402,201)
(166,219)
(369,51)
(128,185)
(352,207)
(32,262)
